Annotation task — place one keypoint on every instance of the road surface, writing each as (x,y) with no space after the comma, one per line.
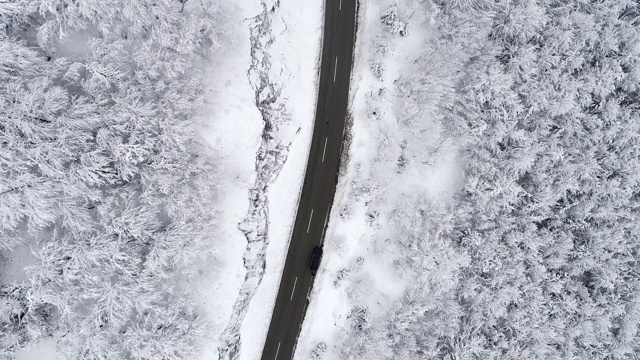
(320,179)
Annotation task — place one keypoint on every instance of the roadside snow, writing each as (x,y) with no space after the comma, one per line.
(262,123)
(358,274)
(295,55)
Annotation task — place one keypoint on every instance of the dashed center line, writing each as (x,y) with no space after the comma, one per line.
(294,288)
(325,148)
(277,350)
(335,70)
(340,5)
(310,217)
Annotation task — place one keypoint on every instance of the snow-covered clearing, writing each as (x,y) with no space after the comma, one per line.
(262,123)
(359,277)
(43,350)
(235,135)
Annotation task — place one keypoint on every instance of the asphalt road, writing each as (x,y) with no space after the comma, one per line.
(320,179)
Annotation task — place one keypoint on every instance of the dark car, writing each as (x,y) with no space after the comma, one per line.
(315,259)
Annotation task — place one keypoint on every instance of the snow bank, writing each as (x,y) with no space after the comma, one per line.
(295,55)
(262,124)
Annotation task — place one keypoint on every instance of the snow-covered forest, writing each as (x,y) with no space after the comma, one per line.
(102,174)
(487,206)
(529,112)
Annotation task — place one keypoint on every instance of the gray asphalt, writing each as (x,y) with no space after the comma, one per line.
(320,180)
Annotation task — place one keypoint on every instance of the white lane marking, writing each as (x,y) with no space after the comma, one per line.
(325,148)
(277,350)
(340,5)
(326,218)
(308,292)
(310,217)
(294,288)
(335,70)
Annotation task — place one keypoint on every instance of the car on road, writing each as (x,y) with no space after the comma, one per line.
(315,259)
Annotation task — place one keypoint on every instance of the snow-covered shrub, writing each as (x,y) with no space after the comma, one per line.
(318,351)
(392,22)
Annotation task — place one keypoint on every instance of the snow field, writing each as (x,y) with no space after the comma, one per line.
(234,133)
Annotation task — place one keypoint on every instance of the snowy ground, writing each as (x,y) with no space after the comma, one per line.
(235,135)
(43,350)
(270,76)
(357,270)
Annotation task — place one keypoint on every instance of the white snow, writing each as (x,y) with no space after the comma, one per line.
(42,350)
(235,132)
(295,54)
(15,261)
(358,264)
